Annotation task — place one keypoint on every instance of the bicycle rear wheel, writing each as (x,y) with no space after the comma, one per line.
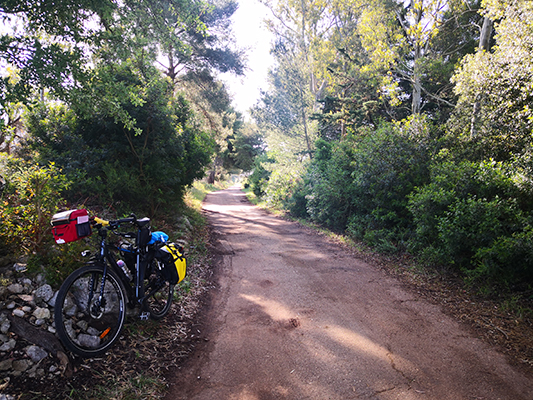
(89,324)
(159,292)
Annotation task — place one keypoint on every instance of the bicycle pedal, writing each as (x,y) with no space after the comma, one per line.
(144,316)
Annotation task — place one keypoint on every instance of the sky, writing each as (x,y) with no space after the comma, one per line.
(250,32)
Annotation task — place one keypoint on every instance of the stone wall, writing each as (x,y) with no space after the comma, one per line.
(28,345)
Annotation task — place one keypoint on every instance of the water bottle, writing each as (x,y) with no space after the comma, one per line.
(122,265)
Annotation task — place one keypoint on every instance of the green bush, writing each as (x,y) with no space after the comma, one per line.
(473,223)
(362,183)
(508,261)
(259,177)
(329,184)
(474,216)
(31,196)
(282,184)
(144,168)
(297,203)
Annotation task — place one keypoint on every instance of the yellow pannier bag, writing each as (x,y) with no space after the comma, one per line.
(175,263)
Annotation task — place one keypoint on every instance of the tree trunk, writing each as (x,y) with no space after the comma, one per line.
(211,177)
(484,45)
(417,83)
(417,73)
(41,338)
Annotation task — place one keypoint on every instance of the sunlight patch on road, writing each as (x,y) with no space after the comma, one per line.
(226,209)
(245,394)
(346,337)
(274,309)
(356,342)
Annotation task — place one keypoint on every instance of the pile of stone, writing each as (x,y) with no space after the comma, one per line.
(28,346)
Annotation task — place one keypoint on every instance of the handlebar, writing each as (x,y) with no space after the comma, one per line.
(116,223)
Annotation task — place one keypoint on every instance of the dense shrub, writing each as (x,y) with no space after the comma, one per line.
(32,194)
(329,184)
(508,261)
(473,223)
(30,197)
(297,203)
(259,177)
(282,183)
(361,183)
(474,216)
(393,188)
(143,168)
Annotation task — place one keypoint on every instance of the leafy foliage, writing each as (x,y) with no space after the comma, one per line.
(29,199)
(115,165)
(466,209)
(398,164)
(243,147)
(361,183)
(258,180)
(500,81)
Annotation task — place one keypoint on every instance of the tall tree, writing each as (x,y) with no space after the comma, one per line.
(400,39)
(494,87)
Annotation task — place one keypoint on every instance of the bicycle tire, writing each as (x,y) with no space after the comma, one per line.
(158,290)
(90,331)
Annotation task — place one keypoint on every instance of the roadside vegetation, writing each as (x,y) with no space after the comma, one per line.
(407,127)
(403,126)
(115,107)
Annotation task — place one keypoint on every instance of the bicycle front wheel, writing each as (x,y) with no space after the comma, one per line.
(159,292)
(89,315)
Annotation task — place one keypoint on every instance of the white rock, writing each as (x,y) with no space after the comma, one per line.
(15,288)
(4,327)
(9,345)
(44,292)
(19,313)
(36,353)
(52,301)
(83,325)
(41,313)
(88,340)
(92,331)
(26,281)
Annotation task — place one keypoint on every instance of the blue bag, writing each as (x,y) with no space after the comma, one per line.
(158,237)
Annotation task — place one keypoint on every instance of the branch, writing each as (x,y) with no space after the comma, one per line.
(435,97)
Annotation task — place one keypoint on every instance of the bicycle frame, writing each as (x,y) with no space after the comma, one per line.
(106,257)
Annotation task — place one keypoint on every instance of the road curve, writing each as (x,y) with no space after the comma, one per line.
(294,316)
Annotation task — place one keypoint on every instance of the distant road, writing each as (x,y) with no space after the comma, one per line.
(296,317)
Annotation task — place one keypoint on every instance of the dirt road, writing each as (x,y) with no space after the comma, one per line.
(296,317)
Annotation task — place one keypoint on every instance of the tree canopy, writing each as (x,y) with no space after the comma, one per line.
(123,95)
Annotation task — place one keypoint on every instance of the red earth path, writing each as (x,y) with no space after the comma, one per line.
(294,316)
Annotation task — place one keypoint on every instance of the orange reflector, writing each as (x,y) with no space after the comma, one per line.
(104,333)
